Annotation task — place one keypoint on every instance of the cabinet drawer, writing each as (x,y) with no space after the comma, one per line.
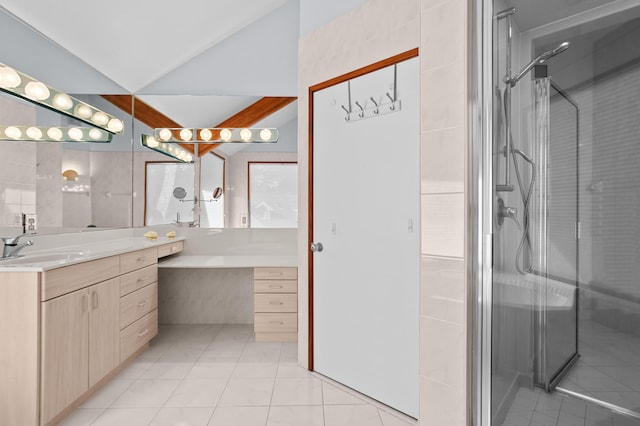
(286,302)
(137,334)
(138,259)
(137,279)
(57,282)
(137,304)
(275,286)
(168,249)
(275,273)
(265,322)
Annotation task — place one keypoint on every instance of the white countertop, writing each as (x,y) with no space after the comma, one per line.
(43,260)
(227,261)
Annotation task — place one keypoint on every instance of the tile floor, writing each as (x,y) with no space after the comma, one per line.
(608,370)
(609,366)
(219,376)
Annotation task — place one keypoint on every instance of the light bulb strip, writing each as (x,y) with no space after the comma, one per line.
(169,149)
(25,87)
(210,135)
(54,134)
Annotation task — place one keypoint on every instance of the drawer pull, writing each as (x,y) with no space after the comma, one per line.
(141,304)
(276,303)
(174,248)
(141,280)
(274,274)
(141,259)
(277,322)
(143,332)
(276,286)
(95,300)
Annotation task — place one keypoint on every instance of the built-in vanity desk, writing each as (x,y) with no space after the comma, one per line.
(71,320)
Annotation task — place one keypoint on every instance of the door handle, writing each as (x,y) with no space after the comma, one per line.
(316,247)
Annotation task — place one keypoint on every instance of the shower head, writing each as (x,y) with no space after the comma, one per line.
(538,60)
(505,13)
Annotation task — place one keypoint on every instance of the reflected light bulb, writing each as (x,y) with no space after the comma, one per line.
(75,133)
(54,133)
(205,134)
(34,133)
(100,118)
(152,142)
(95,134)
(83,111)
(245,135)
(225,135)
(265,134)
(165,134)
(9,78)
(36,90)
(186,134)
(189,158)
(62,101)
(115,125)
(13,132)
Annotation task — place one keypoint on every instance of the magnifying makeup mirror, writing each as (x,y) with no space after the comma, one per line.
(179,192)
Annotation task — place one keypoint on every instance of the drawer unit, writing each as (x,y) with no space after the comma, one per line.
(137,279)
(285,302)
(275,286)
(171,248)
(276,322)
(137,304)
(138,259)
(138,334)
(275,304)
(57,282)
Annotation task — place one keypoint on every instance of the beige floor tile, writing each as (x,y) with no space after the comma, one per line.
(82,417)
(351,415)
(173,416)
(197,393)
(147,393)
(239,416)
(247,392)
(309,415)
(297,391)
(332,395)
(126,416)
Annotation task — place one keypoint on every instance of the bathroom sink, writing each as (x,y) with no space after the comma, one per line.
(39,258)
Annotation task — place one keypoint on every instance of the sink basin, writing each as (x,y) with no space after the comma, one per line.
(39,258)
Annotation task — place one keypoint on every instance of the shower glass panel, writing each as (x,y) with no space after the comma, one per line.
(565,197)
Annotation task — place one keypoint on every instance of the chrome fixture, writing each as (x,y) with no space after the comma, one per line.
(171,150)
(12,248)
(538,60)
(379,106)
(54,134)
(316,247)
(28,88)
(216,135)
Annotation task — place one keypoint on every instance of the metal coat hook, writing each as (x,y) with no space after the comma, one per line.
(347,118)
(361,113)
(392,107)
(377,110)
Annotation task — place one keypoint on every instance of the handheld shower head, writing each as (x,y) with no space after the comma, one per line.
(538,60)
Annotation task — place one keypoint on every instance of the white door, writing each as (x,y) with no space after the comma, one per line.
(366,198)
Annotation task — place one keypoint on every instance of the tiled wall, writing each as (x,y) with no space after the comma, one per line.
(377,30)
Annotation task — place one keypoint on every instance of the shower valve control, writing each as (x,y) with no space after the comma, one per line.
(510,212)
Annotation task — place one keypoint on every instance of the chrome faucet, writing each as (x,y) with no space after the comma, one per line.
(12,248)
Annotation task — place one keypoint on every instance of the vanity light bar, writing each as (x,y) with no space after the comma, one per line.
(54,134)
(19,84)
(173,151)
(217,135)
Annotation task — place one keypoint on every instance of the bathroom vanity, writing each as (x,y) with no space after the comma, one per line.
(70,321)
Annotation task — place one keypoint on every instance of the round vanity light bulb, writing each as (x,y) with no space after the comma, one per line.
(37,90)
(152,142)
(115,125)
(13,132)
(62,101)
(95,134)
(225,135)
(54,133)
(189,158)
(205,134)
(100,118)
(83,111)
(75,133)
(245,135)
(265,134)
(186,134)
(9,78)
(165,134)
(34,133)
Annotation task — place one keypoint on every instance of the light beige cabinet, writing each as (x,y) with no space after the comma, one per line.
(67,331)
(275,304)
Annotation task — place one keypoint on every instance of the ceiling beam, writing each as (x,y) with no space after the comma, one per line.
(249,116)
(145,113)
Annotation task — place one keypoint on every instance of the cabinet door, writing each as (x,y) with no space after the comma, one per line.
(65,357)
(104,329)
